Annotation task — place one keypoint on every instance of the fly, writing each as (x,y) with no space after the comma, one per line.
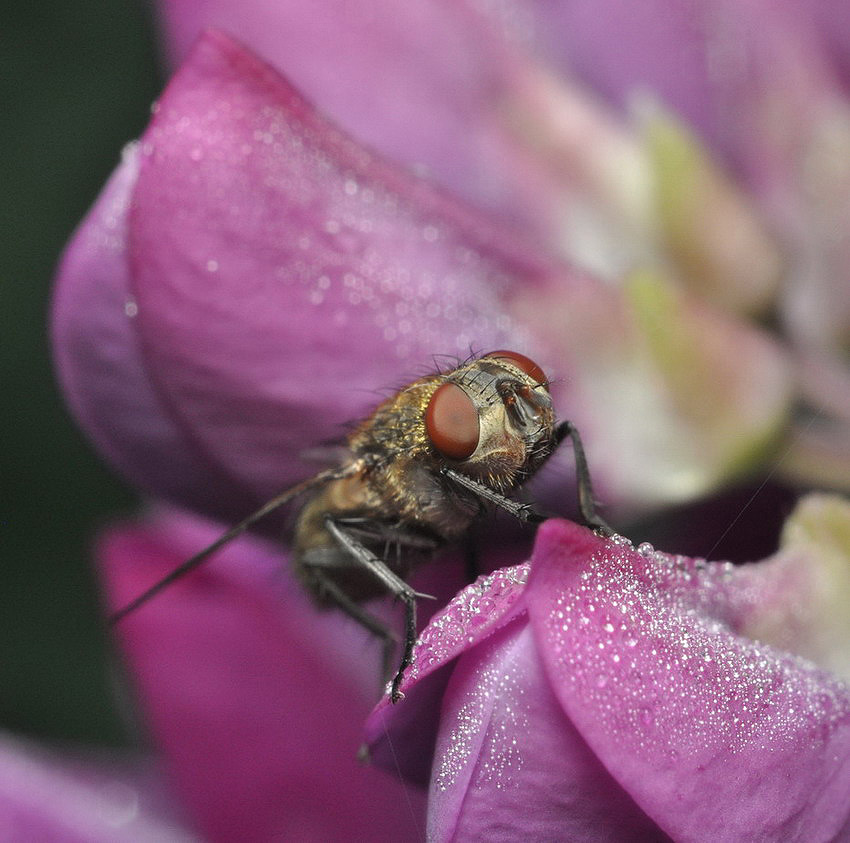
(419,471)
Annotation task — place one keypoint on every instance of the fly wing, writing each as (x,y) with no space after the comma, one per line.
(202,556)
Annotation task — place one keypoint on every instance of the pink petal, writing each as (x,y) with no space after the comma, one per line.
(282,273)
(833,19)
(100,363)
(508,761)
(510,765)
(675,396)
(474,614)
(619,48)
(755,79)
(704,61)
(254,698)
(641,652)
(427,84)
(47,795)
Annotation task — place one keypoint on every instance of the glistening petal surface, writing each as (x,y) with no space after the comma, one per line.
(641,651)
(509,764)
(282,272)
(100,362)
(444,103)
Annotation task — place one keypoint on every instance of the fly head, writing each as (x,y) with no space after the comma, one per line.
(493,420)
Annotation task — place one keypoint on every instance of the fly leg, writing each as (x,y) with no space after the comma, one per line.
(527,513)
(586,503)
(356,612)
(394,584)
(522,511)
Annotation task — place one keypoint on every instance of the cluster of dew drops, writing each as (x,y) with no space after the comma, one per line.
(646,640)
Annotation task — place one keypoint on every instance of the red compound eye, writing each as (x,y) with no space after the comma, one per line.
(522,362)
(451,422)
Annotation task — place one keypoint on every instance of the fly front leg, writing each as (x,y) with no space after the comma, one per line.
(521,511)
(393,583)
(525,512)
(586,503)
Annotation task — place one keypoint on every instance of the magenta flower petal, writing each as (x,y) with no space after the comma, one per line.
(254,699)
(100,363)
(295,244)
(89,798)
(494,735)
(510,765)
(477,612)
(617,694)
(642,653)
(684,56)
(443,99)
(262,240)
(619,48)
(833,20)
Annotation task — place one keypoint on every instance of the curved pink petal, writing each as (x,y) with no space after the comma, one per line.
(282,272)
(756,79)
(427,84)
(474,614)
(509,763)
(705,61)
(262,242)
(833,20)
(492,735)
(620,48)
(641,651)
(254,698)
(618,694)
(100,364)
(91,798)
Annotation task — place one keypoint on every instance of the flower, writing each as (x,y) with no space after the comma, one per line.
(603,691)
(197,336)
(258,266)
(716,152)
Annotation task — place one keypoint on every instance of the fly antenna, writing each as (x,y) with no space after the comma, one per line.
(234,532)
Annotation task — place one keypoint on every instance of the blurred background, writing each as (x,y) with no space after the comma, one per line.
(77,82)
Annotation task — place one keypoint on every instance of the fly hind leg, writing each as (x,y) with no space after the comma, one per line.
(332,592)
(393,583)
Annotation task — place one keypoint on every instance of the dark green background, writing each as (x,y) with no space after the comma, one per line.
(76,83)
